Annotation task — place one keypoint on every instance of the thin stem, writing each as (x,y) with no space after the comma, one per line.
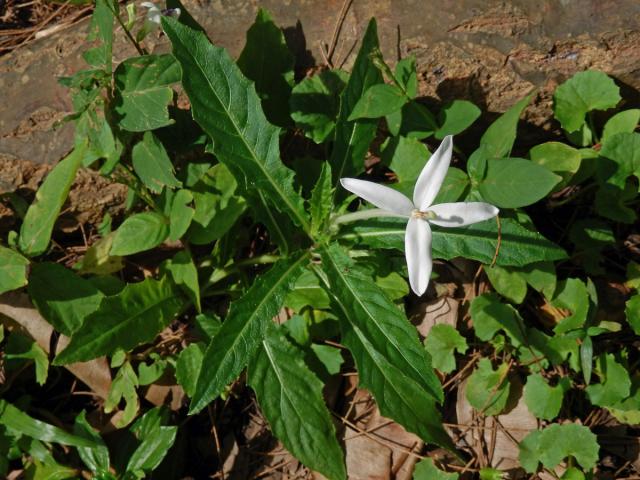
(363,215)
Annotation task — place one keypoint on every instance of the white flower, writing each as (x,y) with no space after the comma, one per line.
(153,13)
(421,212)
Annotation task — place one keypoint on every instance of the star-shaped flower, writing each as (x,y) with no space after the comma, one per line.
(421,213)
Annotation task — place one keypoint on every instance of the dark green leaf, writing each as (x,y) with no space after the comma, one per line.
(185,274)
(498,139)
(426,470)
(572,295)
(624,150)
(582,93)
(62,297)
(615,384)
(97,457)
(487,389)
(142,92)
(152,164)
(406,157)
(134,316)
(290,396)
(622,122)
(321,200)
(267,61)
(188,367)
(516,182)
(543,400)
(490,315)
(378,101)
(140,232)
(38,223)
(181,214)
(353,138)
(226,106)
(508,282)
(243,329)
(13,270)
(632,312)
(456,117)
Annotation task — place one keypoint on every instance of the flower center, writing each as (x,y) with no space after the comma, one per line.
(428,215)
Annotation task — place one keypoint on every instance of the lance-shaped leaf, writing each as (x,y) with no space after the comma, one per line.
(226,106)
(353,137)
(132,317)
(243,329)
(41,216)
(391,363)
(518,245)
(290,396)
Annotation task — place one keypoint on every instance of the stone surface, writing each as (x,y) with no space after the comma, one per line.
(491,52)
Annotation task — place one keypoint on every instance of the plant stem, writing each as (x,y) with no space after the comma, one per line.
(362,215)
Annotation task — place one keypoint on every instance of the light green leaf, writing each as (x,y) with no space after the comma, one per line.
(13,270)
(498,139)
(543,400)
(378,101)
(155,441)
(426,470)
(573,473)
(624,150)
(557,442)
(558,158)
(97,260)
(185,274)
(330,357)
(307,292)
(406,75)
(132,317)
(244,328)
(391,363)
(321,200)
(519,246)
(267,61)
(149,373)
(582,93)
(632,312)
(226,106)
(490,315)
(97,457)
(123,387)
(541,276)
(181,214)
(516,182)
(22,347)
(488,473)
(508,282)
(572,295)
(441,343)
(152,164)
(101,27)
(290,396)
(315,103)
(406,157)
(353,138)
(62,297)
(138,233)
(412,120)
(488,390)
(188,367)
(455,117)
(455,184)
(42,214)
(15,419)
(622,122)
(142,91)
(615,384)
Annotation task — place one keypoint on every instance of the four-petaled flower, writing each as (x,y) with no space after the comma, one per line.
(421,212)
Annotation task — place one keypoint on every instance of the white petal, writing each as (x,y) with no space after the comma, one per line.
(432,175)
(417,244)
(382,197)
(461,213)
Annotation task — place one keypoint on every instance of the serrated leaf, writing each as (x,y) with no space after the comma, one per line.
(582,93)
(15,419)
(441,343)
(188,367)
(456,117)
(519,246)
(315,103)
(244,328)
(487,389)
(138,233)
(516,182)
(290,396)
(543,400)
(426,470)
(391,363)
(62,297)
(557,442)
(508,282)
(321,201)
(226,106)
(42,214)
(132,317)
(267,61)
(13,270)
(142,92)
(185,274)
(353,138)
(622,122)
(152,164)
(377,101)
(97,457)
(615,384)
